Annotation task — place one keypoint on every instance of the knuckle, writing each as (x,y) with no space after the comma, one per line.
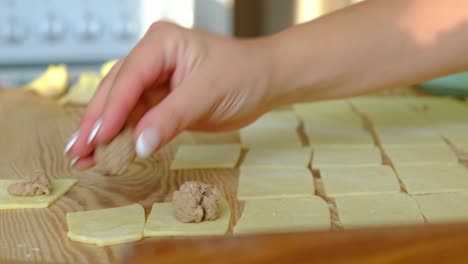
(161,26)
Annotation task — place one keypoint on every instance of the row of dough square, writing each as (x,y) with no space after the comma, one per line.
(398,121)
(125,224)
(416,179)
(401,209)
(227,156)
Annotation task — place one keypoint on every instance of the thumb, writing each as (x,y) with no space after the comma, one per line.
(166,120)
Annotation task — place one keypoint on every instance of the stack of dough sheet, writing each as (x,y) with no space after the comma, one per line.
(378,210)
(333,123)
(278,128)
(268,157)
(433,178)
(366,180)
(222,156)
(283,215)
(404,136)
(324,157)
(366,104)
(319,135)
(399,122)
(328,113)
(267,183)
(451,120)
(421,155)
(444,207)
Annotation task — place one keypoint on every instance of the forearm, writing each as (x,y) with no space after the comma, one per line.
(374,45)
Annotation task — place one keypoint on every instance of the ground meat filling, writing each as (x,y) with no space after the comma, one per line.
(37,184)
(196,202)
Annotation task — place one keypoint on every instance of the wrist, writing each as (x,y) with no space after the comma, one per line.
(305,70)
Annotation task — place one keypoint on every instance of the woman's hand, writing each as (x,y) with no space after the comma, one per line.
(177,79)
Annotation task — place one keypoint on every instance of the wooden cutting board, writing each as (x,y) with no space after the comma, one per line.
(33,135)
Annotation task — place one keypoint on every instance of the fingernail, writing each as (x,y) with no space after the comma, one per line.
(71,142)
(95,130)
(73,161)
(147,142)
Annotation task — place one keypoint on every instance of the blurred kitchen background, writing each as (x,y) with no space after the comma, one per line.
(85,33)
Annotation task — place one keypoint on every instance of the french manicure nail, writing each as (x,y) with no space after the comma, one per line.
(147,142)
(73,161)
(95,130)
(71,142)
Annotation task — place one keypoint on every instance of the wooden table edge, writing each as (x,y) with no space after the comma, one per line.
(403,244)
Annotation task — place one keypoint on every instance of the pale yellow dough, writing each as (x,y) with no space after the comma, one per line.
(409,137)
(324,157)
(369,103)
(269,136)
(281,157)
(457,136)
(324,108)
(277,119)
(433,178)
(107,67)
(338,137)
(444,207)
(414,155)
(162,222)
(106,227)
(52,83)
(261,183)
(343,181)
(328,114)
(83,91)
(378,210)
(206,156)
(331,124)
(283,215)
(8,201)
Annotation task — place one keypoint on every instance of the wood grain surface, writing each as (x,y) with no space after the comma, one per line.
(411,244)
(33,135)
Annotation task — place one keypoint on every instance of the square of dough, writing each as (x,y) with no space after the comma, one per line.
(444,207)
(407,137)
(283,215)
(336,110)
(457,136)
(264,137)
(281,157)
(108,226)
(162,222)
(446,112)
(414,155)
(342,181)
(338,137)
(433,178)
(277,119)
(8,201)
(206,156)
(331,124)
(329,106)
(378,210)
(258,183)
(345,156)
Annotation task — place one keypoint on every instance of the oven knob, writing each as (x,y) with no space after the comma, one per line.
(91,28)
(12,31)
(52,29)
(126,30)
